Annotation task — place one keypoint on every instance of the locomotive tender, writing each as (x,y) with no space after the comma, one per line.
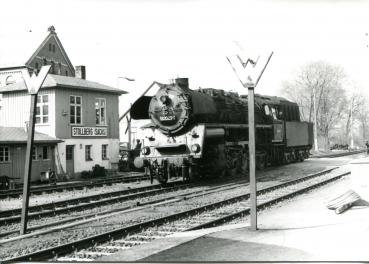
(205,132)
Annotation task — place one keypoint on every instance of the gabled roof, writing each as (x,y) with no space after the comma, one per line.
(12,135)
(58,81)
(19,48)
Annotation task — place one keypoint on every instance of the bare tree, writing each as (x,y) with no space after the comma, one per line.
(355,101)
(327,81)
(362,115)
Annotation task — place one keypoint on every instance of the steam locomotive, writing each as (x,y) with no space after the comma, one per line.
(204,132)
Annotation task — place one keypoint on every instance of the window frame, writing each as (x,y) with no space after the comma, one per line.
(104,151)
(40,105)
(88,150)
(34,155)
(9,80)
(99,100)
(75,105)
(47,152)
(6,157)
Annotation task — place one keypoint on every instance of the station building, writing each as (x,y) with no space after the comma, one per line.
(80,115)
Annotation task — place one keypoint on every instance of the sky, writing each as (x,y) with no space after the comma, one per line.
(165,39)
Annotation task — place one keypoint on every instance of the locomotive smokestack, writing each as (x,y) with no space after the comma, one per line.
(182,82)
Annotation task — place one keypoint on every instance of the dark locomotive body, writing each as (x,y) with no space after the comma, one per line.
(205,132)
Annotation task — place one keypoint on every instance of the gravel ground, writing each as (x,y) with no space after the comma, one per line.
(130,203)
(116,221)
(12,203)
(266,178)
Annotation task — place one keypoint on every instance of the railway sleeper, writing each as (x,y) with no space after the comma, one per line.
(163,233)
(74,259)
(106,249)
(145,237)
(93,254)
(181,227)
(109,247)
(129,242)
(174,229)
(202,218)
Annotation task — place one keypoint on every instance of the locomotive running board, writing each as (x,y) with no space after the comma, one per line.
(211,125)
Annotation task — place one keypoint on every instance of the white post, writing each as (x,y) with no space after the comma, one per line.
(352,124)
(315,121)
(252,158)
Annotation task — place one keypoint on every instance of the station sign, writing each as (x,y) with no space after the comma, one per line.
(89,131)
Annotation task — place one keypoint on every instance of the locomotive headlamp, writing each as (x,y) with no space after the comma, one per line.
(145,151)
(195,148)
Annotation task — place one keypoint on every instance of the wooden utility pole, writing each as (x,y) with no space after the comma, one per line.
(129,128)
(33,84)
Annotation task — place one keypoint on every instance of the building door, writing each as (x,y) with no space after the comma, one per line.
(69,156)
(18,161)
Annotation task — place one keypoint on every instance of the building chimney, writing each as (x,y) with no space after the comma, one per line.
(81,72)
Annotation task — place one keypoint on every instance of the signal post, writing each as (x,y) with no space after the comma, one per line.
(252,157)
(33,84)
(253,74)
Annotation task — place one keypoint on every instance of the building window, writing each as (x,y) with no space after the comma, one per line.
(9,80)
(34,153)
(88,152)
(100,106)
(54,48)
(60,68)
(42,109)
(52,70)
(66,73)
(104,152)
(49,46)
(36,67)
(4,154)
(75,109)
(45,152)
(44,61)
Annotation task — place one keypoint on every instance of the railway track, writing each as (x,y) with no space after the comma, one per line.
(86,202)
(214,213)
(119,208)
(73,185)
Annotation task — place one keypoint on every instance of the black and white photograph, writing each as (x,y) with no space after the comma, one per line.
(164,131)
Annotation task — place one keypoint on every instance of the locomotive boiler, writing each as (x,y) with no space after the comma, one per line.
(204,132)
